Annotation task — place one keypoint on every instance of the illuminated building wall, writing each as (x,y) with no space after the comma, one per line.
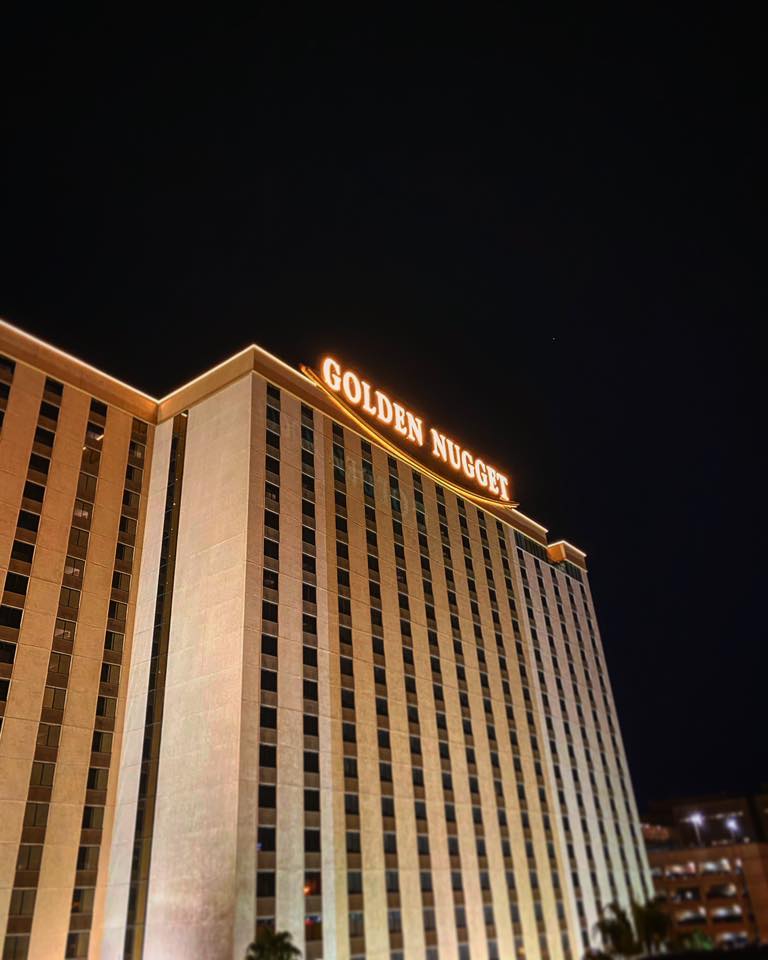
(360,706)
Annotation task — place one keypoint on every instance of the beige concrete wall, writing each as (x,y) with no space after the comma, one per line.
(191,909)
(124,820)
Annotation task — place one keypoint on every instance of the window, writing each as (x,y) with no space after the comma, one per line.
(353,841)
(28,521)
(7,651)
(30,856)
(48,735)
(265,884)
(121,581)
(34,491)
(267,796)
(54,697)
(269,611)
(355,882)
(266,839)
(93,818)
(106,706)
(69,598)
(110,672)
(82,900)
(97,778)
(312,884)
(271,549)
(312,841)
(101,743)
(269,645)
(22,551)
(36,815)
(10,617)
(22,903)
(268,717)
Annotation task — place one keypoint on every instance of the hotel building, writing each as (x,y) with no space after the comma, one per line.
(265,662)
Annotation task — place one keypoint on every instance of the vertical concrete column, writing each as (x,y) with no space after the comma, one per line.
(192,885)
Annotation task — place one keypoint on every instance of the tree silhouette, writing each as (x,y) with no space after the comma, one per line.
(271,945)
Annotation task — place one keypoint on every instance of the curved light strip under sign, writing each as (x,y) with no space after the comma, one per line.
(397,451)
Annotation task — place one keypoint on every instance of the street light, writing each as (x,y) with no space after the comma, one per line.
(697,819)
(732,825)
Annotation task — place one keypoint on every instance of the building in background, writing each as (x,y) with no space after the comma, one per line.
(709,862)
(262,662)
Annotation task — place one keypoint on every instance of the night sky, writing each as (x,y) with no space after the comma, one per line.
(542,233)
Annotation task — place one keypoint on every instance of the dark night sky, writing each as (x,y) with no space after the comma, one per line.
(542,232)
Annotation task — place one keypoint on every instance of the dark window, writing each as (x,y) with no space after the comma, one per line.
(269,680)
(269,645)
(267,796)
(22,551)
(16,583)
(28,521)
(7,651)
(266,839)
(38,463)
(271,549)
(312,841)
(265,884)
(269,717)
(10,617)
(269,611)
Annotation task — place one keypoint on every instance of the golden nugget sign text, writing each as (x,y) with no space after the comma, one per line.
(358,393)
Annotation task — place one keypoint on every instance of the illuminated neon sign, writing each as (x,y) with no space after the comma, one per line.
(358,394)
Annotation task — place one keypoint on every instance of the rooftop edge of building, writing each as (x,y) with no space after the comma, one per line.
(52,361)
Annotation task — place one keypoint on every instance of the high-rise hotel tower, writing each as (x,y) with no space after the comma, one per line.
(276,651)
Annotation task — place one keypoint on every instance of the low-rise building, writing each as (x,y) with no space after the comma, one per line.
(709,862)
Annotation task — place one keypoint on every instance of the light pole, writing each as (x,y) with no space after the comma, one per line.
(697,820)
